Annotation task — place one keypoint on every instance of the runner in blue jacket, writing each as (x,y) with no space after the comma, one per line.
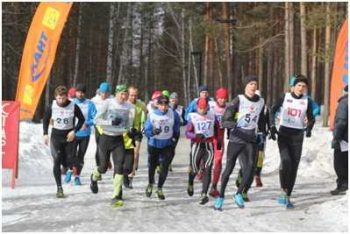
(88,109)
(162,128)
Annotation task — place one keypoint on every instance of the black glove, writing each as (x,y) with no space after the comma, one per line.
(138,136)
(335,144)
(200,136)
(173,141)
(116,121)
(228,133)
(219,145)
(273,133)
(132,133)
(308,133)
(260,139)
(156,131)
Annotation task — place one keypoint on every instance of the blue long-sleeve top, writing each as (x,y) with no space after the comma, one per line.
(192,107)
(88,109)
(316,110)
(149,126)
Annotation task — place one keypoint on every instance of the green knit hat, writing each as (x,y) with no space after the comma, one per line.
(121,88)
(166,93)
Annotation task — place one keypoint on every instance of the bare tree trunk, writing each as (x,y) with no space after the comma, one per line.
(269,77)
(193,57)
(286,45)
(291,38)
(77,47)
(327,67)
(226,16)
(112,22)
(90,57)
(250,63)
(208,53)
(131,39)
(303,39)
(260,65)
(47,93)
(123,55)
(314,64)
(275,75)
(183,53)
(218,63)
(269,71)
(148,67)
(188,84)
(142,64)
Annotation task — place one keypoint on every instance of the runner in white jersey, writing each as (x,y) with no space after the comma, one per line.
(201,129)
(242,118)
(261,141)
(63,113)
(218,107)
(295,108)
(102,94)
(115,117)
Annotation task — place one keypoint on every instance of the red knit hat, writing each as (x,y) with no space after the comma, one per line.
(156,94)
(71,92)
(202,103)
(221,93)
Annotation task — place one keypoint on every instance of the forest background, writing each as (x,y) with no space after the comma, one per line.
(178,46)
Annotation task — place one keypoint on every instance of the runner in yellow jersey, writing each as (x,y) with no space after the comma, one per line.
(135,144)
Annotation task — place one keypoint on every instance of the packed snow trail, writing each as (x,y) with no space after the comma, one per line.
(32,205)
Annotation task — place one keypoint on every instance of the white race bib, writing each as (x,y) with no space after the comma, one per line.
(203,124)
(63,117)
(293,112)
(165,123)
(249,112)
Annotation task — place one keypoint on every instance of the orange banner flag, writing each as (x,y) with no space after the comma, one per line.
(39,54)
(340,71)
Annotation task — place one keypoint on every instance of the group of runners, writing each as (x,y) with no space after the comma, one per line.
(121,120)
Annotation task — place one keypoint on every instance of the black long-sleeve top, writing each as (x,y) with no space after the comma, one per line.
(292,131)
(58,132)
(229,121)
(340,131)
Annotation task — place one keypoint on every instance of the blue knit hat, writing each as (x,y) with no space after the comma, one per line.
(292,80)
(104,87)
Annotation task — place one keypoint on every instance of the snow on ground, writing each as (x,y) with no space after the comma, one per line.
(32,205)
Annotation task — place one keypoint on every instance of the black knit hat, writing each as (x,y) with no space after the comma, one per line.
(81,87)
(163,100)
(203,88)
(300,78)
(247,79)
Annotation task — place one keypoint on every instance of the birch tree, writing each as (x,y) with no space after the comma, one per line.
(303,39)
(77,46)
(286,44)
(228,61)
(327,67)
(314,63)
(111,28)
